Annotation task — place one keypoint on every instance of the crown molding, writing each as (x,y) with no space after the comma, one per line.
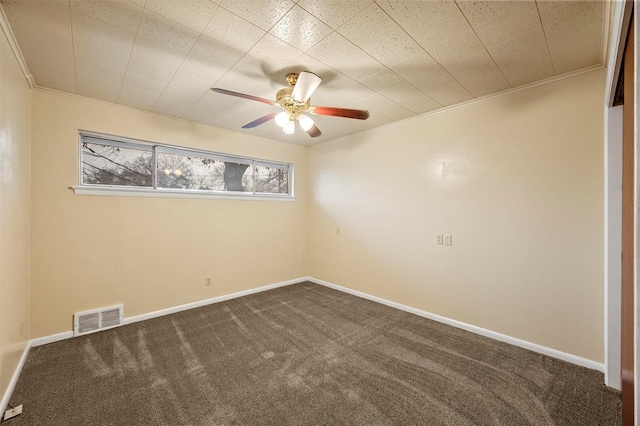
(11,39)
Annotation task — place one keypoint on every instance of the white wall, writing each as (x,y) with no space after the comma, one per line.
(516,179)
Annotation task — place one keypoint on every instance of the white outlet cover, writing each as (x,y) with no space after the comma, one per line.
(12,412)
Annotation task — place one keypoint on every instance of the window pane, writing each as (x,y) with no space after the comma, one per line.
(123,162)
(204,174)
(272,180)
(114,165)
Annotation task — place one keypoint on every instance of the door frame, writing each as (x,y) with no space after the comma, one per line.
(613,202)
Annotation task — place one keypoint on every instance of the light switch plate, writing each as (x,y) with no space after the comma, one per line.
(448,240)
(439,239)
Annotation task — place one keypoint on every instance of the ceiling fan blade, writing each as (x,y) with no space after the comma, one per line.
(307,83)
(259,121)
(314,132)
(360,114)
(243,95)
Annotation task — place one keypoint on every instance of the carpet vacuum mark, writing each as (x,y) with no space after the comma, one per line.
(303,355)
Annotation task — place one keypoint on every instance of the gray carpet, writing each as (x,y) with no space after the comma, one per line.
(303,355)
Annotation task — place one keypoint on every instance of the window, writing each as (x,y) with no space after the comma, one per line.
(118,166)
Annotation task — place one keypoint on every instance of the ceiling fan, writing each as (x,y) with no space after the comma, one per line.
(296,102)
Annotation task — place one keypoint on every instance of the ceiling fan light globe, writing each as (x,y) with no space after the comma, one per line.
(289,128)
(282,118)
(305,122)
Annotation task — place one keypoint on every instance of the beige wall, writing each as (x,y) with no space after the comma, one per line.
(149,253)
(517,180)
(15,212)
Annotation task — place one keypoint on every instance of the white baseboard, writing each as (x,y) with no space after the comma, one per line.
(50,339)
(14,379)
(472,328)
(458,324)
(205,302)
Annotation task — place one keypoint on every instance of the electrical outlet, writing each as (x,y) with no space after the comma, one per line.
(337,231)
(12,412)
(207,281)
(448,240)
(439,239)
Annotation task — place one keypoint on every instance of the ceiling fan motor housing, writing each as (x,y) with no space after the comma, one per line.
(284,99)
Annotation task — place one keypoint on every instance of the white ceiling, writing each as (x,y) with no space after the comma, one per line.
(396,59)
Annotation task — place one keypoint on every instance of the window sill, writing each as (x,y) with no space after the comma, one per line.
(168,193)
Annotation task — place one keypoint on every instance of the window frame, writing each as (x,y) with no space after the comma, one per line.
(82,188)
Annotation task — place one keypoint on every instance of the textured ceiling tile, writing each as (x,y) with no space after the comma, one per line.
(96,88)
(99,71)
(150,70)
(365,31)
(570,17)
(263,13)
(300,29)
(147,85)
(158,54)
(175,101)
(43,31)
(122,14)
(190,83)
(60,58)
(233,52)
(462,45)
(356,92)
(334,12)
(428,22)
(332,99)
(496,22)
(136,98)
(428,76)
(400,91)
(201,68)
(249,111)
(478,74)
(419,103)
(244,77)
(208,107)
(339,53)
(45,75)
(389,84)
(194,14)
(167,32)
(273,53)
(101,42)
(395,112)
(450,94)
(524,59)
(375,101)
(267,89)
(233,119)
(105,56)
(573,31)
(210,53)
(334,80)
(569,54)
(231,31)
